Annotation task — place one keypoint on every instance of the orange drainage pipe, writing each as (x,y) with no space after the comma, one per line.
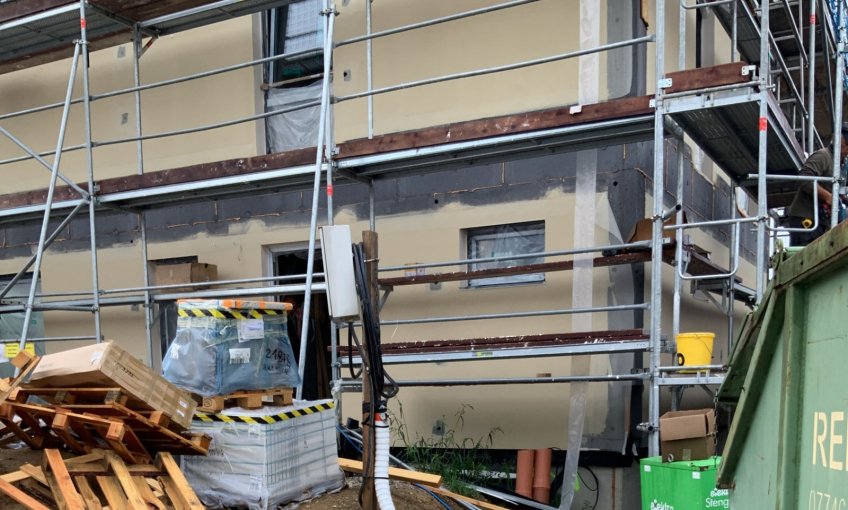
(524,473)
(542,477)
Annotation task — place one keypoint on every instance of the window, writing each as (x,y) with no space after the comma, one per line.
(295,27)
(506,240)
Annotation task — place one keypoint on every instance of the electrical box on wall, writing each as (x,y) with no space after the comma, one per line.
(336,247)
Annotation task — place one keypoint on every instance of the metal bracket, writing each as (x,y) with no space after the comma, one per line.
(664,83)
(647,427)
(575,109)
(749,70)
(652,103)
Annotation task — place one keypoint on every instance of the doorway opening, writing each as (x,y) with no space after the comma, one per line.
(316,378)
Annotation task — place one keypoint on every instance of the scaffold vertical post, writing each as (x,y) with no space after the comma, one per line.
(837,107)
(656,246)
(762,204)
(329,13)
(89,152)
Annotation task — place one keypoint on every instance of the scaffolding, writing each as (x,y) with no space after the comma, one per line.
(755,120)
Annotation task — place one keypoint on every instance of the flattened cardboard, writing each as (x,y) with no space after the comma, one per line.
(107,365)
(687,435)
(190,272)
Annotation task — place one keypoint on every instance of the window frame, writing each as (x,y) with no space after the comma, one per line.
(474,235)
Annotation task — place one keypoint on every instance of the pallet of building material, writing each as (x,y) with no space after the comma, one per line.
(99,480)
(131,435)
(107,400)
(247,399)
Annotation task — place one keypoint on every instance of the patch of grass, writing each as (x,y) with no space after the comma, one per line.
(459,461)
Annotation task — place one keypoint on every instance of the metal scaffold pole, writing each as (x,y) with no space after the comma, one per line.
(147,308)
(656,246)
(45,221)
(762,205)
(89,150)
(330,13)
(837,107)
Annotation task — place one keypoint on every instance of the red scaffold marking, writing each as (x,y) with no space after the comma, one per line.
(82,23)
(329,190)
(763,124)
(812,19)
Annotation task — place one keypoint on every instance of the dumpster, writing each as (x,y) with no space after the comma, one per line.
(786,447)
(685,485)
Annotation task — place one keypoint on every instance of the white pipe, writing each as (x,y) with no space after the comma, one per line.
(381,467)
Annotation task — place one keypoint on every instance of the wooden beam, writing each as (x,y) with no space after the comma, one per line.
(20,496)
(369,403)
(92,502)
(112,492)
(61,484)
(495,126)
(714,76)
(134,499)
(404,475)
(184,492)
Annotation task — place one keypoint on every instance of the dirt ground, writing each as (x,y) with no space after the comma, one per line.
(404,495)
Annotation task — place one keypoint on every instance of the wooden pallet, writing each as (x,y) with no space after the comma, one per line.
(247,399)
(90,400)
(87,427)
(99,480)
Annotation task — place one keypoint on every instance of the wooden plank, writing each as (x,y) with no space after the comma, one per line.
(112,492)
(134,499)
(92,502)
(459,497)
(496,126)
(61,484)
(428,479)
(100,469)
(714,76)
(36,473)
(20,496)
(184,492)
(173,493)
(147,493)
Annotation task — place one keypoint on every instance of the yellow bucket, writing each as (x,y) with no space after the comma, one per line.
(695,349)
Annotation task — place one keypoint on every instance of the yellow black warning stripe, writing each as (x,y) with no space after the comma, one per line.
(217,313)
(264,420)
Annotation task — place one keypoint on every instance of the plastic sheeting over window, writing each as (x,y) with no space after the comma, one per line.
(297,129)
(504,241)
(11,325)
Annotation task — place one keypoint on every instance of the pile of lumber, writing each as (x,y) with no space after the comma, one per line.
(85,419)
(99,480)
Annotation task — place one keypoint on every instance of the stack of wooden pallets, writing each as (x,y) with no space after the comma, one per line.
(247,399)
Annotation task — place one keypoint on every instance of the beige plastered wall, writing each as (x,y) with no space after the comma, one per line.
(543,28)
(185,105)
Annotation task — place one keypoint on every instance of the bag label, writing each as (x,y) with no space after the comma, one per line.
(239,356)
(251,329)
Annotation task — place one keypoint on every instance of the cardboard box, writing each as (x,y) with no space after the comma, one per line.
(108,365)
(644,230)
(687,435)
(190,272)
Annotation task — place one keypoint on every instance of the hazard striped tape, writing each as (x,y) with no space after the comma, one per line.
(264,420)
(227,314)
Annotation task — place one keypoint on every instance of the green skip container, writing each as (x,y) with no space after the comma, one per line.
(685,485)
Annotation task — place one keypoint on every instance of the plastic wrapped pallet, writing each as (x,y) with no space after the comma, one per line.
(263,458)
(223,346)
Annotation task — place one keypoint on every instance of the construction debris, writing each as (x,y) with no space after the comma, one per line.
(99,480)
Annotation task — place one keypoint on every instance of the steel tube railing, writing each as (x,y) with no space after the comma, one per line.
(460,262)
(434,21)
(537,313)
(497,69)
